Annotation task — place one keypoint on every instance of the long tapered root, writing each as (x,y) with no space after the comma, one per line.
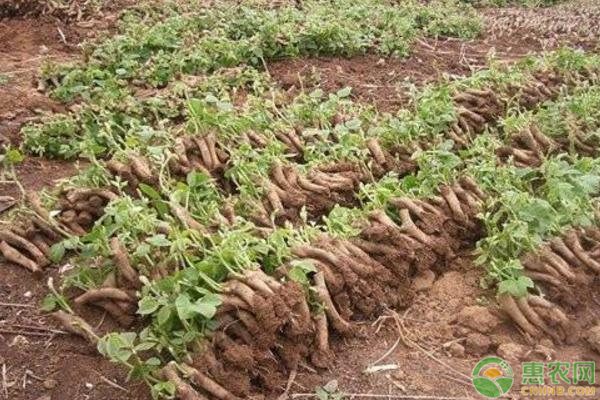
(76,325)
(13,255)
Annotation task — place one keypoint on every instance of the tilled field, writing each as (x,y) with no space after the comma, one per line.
(319,199)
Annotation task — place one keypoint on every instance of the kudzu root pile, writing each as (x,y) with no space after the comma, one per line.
(134,170)
(566,270)
(476,108)
(289,191)
(27,241)
(81,207)
(319,191)
(269,325)
(572,22)
(530,146)
(117,294)
(75,9)
(200,153)
(28,244)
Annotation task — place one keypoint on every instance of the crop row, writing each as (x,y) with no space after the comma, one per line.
(188,52)
(288,188)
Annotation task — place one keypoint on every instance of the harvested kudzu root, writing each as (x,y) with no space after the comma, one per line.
(28,240)
(337,322)
(475,109)
(134,171)
(81,207)
(13,255)
(200,153)
(537,316)
(394,159)
(564,258)
(183,390)
(206,383)
(6,202)
(289,193)
(574,242)
(185,218)
(565,267)
(117,293)
(76,325)
(105,293)
(23,244)
(121,260)
(124,171)
(530,146)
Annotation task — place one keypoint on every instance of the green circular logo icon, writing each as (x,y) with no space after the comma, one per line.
(493,377)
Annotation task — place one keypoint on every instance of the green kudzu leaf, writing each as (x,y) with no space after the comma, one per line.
(153,361)
(164,315)
(163,389)
(115,348)
(206,306)
(144,346)
(207,310)
(128,338)
(142,250)
(212,298)
(353,125)
(345,92)
(300,270)
(184,307)
(196,179)
(516,287)
(159,240)
(49,303)
(147,305)
(149,191)
(57,252)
